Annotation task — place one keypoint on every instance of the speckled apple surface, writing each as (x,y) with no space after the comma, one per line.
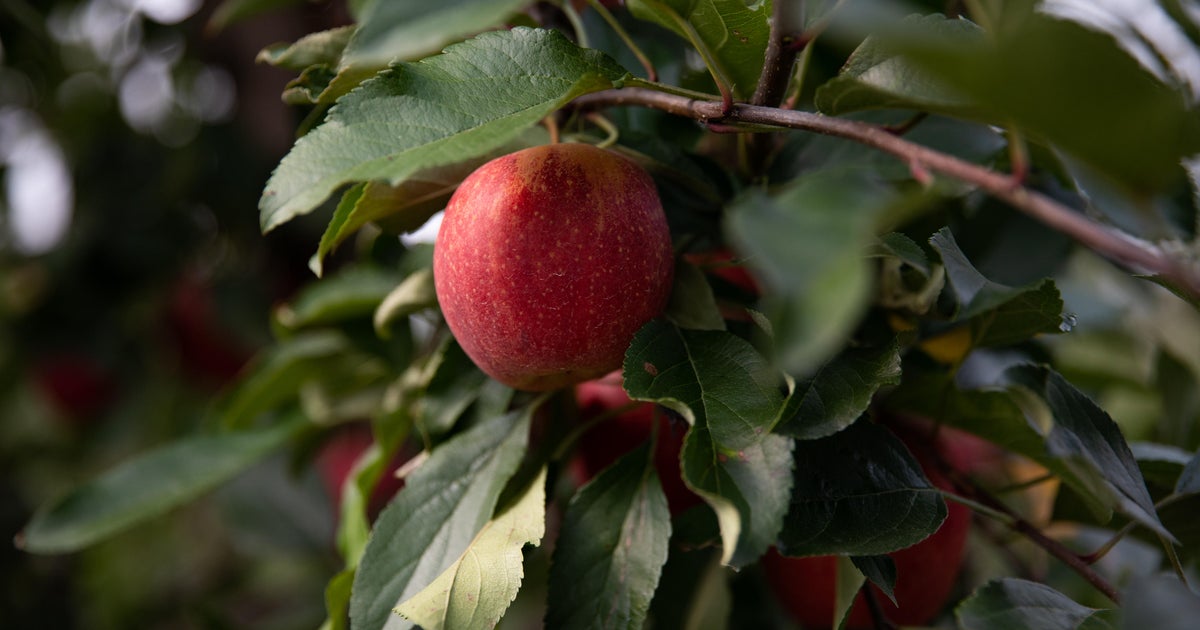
(548,261)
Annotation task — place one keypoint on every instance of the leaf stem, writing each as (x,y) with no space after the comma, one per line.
(610,130)
(1028,483)
(978,507)
(568,10)
(710,60)
(602,11)
(1124,249)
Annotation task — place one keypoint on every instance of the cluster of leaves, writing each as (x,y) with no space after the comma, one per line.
(883,292)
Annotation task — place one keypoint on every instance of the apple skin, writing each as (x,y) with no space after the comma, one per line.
(548,261)
(605,443)
(925,572)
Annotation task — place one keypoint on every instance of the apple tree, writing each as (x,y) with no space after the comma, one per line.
(930,356)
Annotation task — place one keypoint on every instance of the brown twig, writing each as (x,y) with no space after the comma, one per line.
(778,64)
(780,57)
(1017,523)
(1134,254)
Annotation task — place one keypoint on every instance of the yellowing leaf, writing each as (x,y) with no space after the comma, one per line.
(476,590)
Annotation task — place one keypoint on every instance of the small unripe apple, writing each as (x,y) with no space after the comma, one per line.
(925,572)
(548,261)
(606,442)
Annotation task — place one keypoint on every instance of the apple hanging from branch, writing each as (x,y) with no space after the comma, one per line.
(548,261)
(925,572)
(605,443)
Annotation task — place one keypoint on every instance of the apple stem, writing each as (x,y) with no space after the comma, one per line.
(610,130)
(551,125)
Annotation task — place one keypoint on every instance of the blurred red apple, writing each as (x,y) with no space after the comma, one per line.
(74,384)
(548,261)
(925,572)
(336,460)
(725,265)
(208,351)
(606,442)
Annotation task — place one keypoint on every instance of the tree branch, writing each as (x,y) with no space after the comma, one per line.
(1132,253)
(1031,531)
(779,59)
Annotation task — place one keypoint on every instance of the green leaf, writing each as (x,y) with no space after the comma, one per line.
(907,250)
(808,242)
(839,392)
(476,590)
(612,548)
(994,416)
(1173,287)
(880,570)
(858,492)
(996,314)
(350,294)
(320,48)
(849,582)
(1013,603)
(1159,602)
(1060,82)
(732,33)
(455,384)
(416,293)
(408,206)
(1085,437)
(1189,479)
(876,76)
(415,116)
(1161,464)
(443,506)
(337,600)
(401,31)
(146,486)
(1179,516)
(692,303)
(354,522)
(277,374)
(693,592)
(730,396)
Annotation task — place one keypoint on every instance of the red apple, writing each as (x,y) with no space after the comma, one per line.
(548,261)
(925,572)
(606,442)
